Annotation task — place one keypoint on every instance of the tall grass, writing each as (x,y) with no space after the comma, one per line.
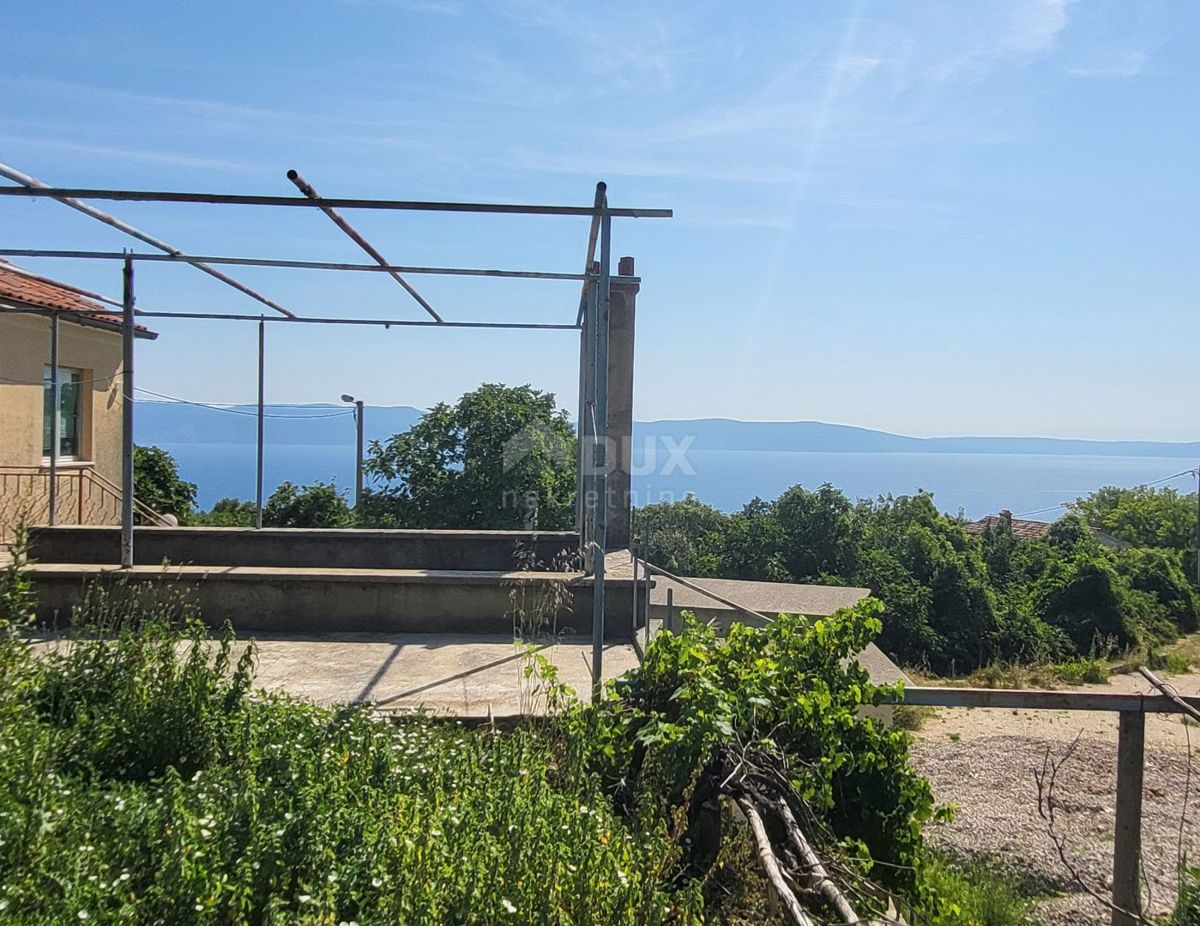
(141,780)
(973,894)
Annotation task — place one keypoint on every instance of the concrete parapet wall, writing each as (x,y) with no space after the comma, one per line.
(312,548)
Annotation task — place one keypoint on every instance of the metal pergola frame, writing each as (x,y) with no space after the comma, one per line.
(591,321)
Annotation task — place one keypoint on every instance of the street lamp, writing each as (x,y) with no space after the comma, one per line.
(358,469)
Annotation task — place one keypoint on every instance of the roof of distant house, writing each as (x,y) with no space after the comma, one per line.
(1035,530)
(21,289)
(1021,528)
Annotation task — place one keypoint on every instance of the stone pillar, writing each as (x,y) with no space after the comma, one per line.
(621,323)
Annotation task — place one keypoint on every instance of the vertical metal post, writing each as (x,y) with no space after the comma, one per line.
(587,414)
(127,333)
(1127,850)
(600,445)
(646,596)
(634,613)
(358,470)
(580,445)
(669,620)
(55,423)
(258,473)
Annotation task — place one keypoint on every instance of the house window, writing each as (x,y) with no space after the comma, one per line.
(69,423)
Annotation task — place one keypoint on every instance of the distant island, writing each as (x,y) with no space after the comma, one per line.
(176,423)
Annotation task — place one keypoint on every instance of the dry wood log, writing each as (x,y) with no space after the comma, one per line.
(770,864)
(814,872)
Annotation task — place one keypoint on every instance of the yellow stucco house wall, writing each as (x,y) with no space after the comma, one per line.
(89,346)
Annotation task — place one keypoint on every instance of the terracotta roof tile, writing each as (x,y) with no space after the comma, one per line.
(22,290)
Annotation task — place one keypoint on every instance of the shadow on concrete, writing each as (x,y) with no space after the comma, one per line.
(458,676)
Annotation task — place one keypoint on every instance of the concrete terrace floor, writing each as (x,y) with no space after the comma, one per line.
(460,674)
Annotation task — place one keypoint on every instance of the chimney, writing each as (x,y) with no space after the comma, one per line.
(622,315)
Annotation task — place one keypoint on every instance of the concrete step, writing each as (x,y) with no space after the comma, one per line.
(293,599)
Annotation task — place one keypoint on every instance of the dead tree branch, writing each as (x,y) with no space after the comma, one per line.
(1047,779)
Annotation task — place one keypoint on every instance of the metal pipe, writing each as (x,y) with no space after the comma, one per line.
(646,596)
(151,196)
(600,461)
(385,322)
(307,189)
(287,264)
(33,187)
(713,595)
(593,232)
(258,477)
(587,391)
(597,621)
(359,421)
(55,416)
(127,330)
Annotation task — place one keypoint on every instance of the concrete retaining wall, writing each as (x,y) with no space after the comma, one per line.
(265,599)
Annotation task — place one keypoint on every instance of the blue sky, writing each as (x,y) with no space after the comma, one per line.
(933,218)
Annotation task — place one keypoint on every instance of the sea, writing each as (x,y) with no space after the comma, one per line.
(972,484)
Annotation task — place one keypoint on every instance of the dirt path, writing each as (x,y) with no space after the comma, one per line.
(984,761)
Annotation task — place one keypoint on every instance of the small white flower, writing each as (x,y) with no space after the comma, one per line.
(508,905)
(377,882)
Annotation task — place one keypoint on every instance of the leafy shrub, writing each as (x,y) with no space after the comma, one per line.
(973,894)
(788,690)
(1091,670)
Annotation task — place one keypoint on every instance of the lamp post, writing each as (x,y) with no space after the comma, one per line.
(358,469)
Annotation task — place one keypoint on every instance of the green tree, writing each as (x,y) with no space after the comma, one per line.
(156,482)
(317,505)
(227,512)
(821,530)
(1142,516)
(483,462)
(685,537)
(1083,595)
(932,579)
(753,544)
(1160,574)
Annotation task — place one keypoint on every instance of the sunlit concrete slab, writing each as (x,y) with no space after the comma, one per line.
(460,674)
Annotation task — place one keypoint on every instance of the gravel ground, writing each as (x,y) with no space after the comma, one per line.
(991,780)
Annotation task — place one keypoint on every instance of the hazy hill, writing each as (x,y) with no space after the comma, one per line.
(174,423)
